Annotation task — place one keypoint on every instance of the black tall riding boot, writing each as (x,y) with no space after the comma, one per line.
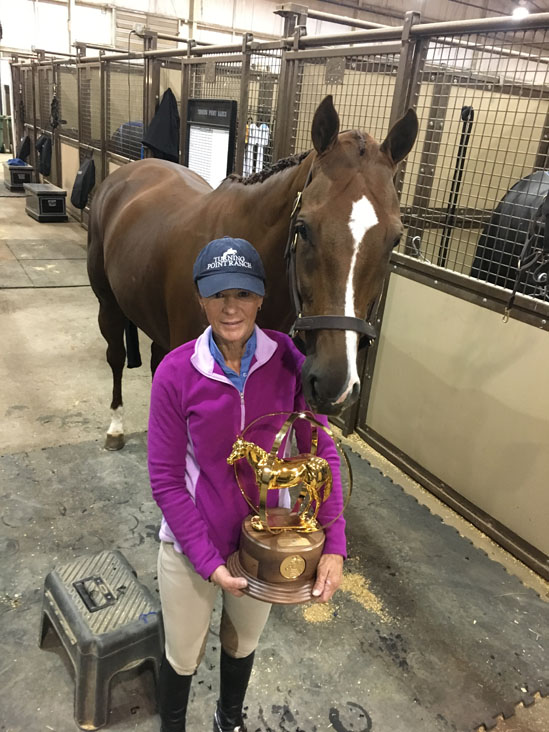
(173,695)
(235,675)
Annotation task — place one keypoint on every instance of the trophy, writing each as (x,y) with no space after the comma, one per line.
(280,548)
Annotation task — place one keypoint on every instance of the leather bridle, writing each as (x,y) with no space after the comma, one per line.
(316,322)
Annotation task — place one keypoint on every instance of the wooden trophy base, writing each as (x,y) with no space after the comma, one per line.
(280,568)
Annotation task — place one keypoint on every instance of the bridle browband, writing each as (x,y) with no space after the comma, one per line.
(316,322)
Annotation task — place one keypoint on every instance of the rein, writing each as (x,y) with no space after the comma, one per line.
(316,322)
(534,259)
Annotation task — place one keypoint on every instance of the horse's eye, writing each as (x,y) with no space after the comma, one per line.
(396,242)
(301,230)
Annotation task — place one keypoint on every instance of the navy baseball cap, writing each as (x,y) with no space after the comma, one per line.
(229,264)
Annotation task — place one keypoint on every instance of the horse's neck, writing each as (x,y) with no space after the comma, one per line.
(270,203)
(256,453)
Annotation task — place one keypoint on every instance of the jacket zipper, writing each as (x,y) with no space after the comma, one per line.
(242,409)
(225,380)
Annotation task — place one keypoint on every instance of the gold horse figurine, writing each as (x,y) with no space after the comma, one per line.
(271,472)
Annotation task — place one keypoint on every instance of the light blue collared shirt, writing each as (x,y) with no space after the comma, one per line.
(236,379)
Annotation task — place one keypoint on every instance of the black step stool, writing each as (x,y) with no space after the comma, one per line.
(45,202)
(15,176)
(107,621)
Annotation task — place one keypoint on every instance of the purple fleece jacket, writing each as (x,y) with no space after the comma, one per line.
(195,416)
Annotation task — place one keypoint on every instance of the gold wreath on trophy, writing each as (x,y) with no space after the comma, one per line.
(280,547)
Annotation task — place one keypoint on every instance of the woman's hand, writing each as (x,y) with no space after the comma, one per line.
(222,577)
(328,577)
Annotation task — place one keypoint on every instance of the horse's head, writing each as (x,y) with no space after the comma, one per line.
(348,223)
(238,451)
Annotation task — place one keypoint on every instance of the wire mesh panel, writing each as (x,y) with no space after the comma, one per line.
(213,79)
(67,92)
(124,112)
(263,90)
(90,104)
(362,87)
(477,173)
(28,94)
(46,87)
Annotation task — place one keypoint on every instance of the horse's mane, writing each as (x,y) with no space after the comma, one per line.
(262,175)
(289,162)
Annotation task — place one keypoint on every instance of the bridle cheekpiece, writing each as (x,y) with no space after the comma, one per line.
(316,322)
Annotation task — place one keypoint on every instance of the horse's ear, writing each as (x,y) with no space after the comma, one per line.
(401,137)
(325,126)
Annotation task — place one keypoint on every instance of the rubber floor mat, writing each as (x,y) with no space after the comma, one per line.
(427,634)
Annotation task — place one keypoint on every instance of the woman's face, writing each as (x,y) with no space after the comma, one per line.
(232,313)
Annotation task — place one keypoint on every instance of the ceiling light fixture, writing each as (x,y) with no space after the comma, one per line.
(521,11)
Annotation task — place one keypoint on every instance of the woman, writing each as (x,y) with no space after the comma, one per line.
(204,393)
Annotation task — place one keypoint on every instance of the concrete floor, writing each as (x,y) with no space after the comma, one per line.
(54,391)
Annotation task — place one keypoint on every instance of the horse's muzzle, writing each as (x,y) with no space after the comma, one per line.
(327,391)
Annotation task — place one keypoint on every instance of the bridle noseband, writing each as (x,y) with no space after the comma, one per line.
(317,322)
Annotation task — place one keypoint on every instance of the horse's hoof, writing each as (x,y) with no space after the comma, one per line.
(114,442)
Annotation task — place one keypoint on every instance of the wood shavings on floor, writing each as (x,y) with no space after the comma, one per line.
(358,588)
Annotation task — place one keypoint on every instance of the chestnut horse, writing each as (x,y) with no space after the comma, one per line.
(150,218)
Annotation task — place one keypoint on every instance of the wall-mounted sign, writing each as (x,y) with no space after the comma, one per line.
(211,137)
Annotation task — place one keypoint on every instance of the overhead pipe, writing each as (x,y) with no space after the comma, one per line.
(292,9)
(479,25)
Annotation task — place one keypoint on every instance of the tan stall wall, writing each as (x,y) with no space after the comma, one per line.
(499,151)
(71,163)
(461,249)
(112,166)
(170,79)
(502,149)
(465,395)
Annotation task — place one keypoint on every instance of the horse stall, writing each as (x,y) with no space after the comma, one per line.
(438,626)
(474,383)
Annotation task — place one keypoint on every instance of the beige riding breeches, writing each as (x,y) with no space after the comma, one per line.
(187,604)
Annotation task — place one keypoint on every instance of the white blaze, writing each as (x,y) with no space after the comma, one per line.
(362,218)
(116,427)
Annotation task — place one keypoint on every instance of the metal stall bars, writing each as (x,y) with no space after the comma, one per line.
(361,79)
(27,75)
(171,77)
(261,119)
(208,74)
(457,399)
(90,139)
(479,174)
(124,109)
(481,99)
(69,130)
(47,122)
(370,85)
(67,89)
(44,81)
